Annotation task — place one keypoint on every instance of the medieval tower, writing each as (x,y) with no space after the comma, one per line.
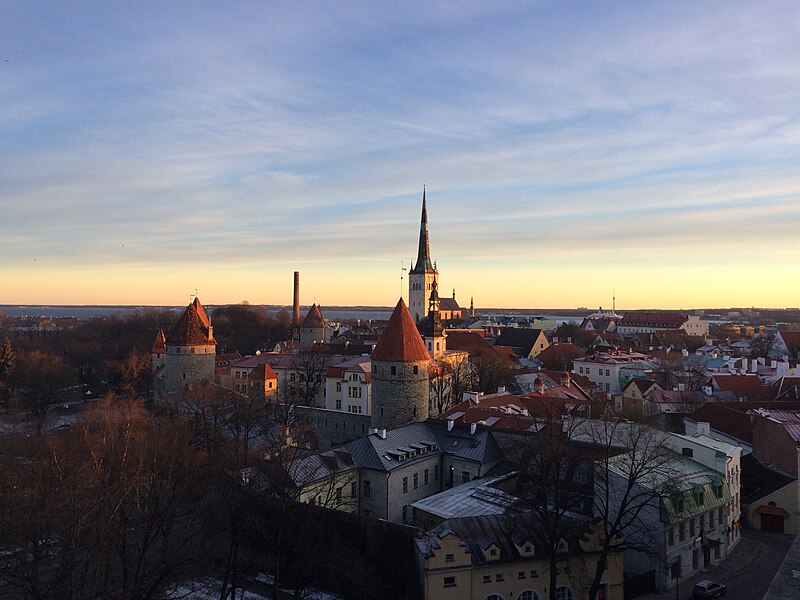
(399,373)
(312,329)
(423,273)
(187,355)
(433,332)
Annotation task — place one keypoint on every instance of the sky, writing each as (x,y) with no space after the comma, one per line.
(570,151)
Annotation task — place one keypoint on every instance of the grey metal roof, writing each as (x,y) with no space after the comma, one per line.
(468,500)
(375,452)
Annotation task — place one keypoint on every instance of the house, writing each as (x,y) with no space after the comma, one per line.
(347,386)
(527,343)
(685,525)
(672,401)
(502,556)
(769,498)
(787,343)
(649,322)
(630,403)
(610,370)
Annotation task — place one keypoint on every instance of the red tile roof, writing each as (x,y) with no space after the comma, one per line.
(192,329)
(672,320)
(560,356)
(400,341)
(744,386)
(791,337)
(314,318)
(262,372)
(160,346)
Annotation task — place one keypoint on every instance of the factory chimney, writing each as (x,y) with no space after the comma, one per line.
(296,301)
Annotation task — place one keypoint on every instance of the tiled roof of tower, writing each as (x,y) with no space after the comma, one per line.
(314,318)
(191,329)
(262,372)
(160,346)
(400,341)
(201,312)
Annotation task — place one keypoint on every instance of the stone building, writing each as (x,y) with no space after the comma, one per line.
(312,329)
(186,356)
(399,373)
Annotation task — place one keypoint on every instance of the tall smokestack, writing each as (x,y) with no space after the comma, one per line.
(296,301)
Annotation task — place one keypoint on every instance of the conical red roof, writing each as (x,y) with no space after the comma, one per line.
(160,345)
(201,312)
(191,329)
(314,318)
(400,341)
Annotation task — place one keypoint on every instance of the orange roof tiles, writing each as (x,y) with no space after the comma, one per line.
(262,372)
(192,329)
(400,340)
(160,345)
(314,318)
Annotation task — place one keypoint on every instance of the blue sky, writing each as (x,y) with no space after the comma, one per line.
(568,148)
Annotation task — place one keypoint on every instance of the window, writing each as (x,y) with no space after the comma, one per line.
(394,370)
(425,476)
(671,536)
(687,452)
(366,488)
(608,387)
(495,596)
(534,574)
(338,404)
(449,582)
(487,579)
(564,593)
(354,392)
(449,558)
(691,528)
(338,386)
(529,595)
(405,486)
(493,552)
(499,577)
(681,532)
(580,370)
(353,489)
(354,408)
(416,369)
(436,473)
(522,575)
(719,516)
(608,373)
(405,513)
(464,476)
(292,377)
(416,480)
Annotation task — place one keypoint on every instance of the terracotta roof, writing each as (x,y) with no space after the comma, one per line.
(201,312)
(314,318)
(791,337)
(160,346)
(400,341)
(559,356)
(448,304)
(191,329)
(262,372)
(672,320)
(518,337)
(744,386)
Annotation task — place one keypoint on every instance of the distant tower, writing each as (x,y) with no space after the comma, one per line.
(190,351)
(471,307)
(432,329)
(399,373)
(159,354)
(421,276)
(312,329)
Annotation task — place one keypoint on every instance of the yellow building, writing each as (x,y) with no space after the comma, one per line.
(501,557)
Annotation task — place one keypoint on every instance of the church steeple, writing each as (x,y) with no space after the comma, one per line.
(423,264)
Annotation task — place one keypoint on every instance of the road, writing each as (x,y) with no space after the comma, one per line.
(747,573)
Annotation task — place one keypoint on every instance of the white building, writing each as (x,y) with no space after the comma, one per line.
(348,386)
(611,371)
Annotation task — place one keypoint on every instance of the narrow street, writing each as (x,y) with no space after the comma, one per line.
(747,573)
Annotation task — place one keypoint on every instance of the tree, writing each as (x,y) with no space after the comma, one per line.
(40,378)
(135,372)
(310,367)
(7,362)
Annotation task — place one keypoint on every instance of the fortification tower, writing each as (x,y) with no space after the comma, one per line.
(190,350)
(312,329)
(400,386)
(423,273)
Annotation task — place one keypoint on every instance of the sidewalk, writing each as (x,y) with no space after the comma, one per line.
(744,555)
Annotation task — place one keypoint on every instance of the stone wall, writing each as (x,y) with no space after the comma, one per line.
(187,365)
(399,397)
(333,427)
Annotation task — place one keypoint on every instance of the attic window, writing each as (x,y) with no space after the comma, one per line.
(687,452)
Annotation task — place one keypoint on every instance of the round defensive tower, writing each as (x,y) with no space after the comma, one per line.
(400,385)
(190,350)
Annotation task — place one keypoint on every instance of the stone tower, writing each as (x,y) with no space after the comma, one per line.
(433,332)
(190,351)
(420,279)
(159,356)
(400,386)
(312,329)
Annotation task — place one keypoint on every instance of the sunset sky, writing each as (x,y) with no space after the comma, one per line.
(569,149)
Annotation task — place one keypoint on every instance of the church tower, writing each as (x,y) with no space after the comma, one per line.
(399,373)
(432,328)
(423,273)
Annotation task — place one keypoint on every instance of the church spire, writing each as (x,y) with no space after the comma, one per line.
(423,264)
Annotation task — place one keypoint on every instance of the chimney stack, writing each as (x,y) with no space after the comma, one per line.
(296,301)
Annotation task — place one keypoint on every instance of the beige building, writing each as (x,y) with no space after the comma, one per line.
(501,557)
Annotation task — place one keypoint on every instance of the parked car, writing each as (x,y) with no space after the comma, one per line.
(708,589)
